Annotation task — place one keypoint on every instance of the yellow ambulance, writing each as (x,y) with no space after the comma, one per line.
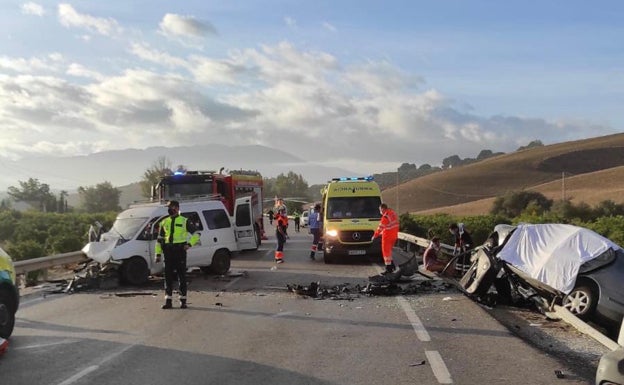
(350,217)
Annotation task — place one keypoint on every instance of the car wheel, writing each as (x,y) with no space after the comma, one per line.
(220,262)
(7,314)
(581,301)
(135,271)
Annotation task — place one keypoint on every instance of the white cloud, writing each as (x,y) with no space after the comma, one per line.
(173,25)
(372,114)
(69,17)
(31,8)
(329,27)
(290,21)
(78,70)
(31,65)
(147,53)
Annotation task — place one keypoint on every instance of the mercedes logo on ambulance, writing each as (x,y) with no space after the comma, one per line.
(356,236)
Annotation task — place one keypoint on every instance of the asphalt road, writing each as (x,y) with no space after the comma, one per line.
(248,329)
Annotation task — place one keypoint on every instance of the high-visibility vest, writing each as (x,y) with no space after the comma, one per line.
(182,232)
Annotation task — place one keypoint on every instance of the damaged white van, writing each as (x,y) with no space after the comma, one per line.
(131,241)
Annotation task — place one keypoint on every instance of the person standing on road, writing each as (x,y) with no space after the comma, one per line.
(463,243)
(297,219)
(315,221)
(270,214)
(388,229)
(281,222)
(176,235)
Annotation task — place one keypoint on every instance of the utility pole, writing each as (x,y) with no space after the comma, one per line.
(397,194)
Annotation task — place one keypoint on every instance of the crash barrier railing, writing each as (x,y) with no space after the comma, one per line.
(412,244)
(560,312)
(25,266)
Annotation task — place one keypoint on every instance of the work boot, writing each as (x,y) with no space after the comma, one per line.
(389,269)
(279,260)
(312,256)
(167,305)
(183,304)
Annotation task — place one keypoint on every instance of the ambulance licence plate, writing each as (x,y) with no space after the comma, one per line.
(357,252)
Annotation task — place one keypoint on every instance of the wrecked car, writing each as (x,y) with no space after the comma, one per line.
(131,241)
(552,263)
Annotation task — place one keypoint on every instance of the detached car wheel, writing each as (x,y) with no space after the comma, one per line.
(7,314)
(581,301)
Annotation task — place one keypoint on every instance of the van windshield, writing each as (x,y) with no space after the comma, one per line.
(353,207)
(127,227)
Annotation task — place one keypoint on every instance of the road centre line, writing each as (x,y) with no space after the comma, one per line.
(439,367)
(92,368)
(418,326)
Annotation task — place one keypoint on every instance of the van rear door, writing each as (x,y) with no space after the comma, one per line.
(244,225)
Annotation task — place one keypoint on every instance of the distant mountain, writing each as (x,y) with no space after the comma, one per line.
(124,167)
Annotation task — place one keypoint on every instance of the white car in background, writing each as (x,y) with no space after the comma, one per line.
(305,218)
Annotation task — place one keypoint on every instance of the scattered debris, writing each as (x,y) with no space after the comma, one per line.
(218,304)
(419,363)
(559,374)
(349,292)
(134,294)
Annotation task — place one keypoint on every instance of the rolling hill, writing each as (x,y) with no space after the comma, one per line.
(592,170)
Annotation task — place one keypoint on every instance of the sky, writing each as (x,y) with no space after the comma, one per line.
(362,85)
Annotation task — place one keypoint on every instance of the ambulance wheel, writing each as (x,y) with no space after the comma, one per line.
(7,314)
(328,259)
(134,271)
(220,262)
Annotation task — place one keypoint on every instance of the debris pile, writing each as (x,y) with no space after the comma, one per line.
(347,292)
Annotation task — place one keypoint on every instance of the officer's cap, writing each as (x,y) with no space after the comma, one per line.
(173,204)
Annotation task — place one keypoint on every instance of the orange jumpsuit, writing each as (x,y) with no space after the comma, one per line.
(389,230)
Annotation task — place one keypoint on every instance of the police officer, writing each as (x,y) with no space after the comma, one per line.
(175,237)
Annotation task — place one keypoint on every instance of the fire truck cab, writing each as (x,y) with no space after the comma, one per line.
(227,187)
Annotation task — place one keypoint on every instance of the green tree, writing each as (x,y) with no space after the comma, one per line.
(514,203)
(34,193)
(290,186)
(160,167)
(99,198)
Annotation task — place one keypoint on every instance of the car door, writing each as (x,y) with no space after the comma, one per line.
(201,253)
(244,225)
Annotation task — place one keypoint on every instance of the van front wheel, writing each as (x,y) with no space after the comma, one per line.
(134,271)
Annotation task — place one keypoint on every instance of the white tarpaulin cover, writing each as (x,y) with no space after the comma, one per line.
(553,253)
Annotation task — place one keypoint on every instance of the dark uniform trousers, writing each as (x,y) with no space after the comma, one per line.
(175,265)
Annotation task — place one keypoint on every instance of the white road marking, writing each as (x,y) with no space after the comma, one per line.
(419,328)
(92,368)
(45,345)
(439,367)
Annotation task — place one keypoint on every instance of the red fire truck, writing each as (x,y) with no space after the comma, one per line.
(227,187)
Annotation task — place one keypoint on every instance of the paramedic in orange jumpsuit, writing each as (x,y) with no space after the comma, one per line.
(281,222)
(388,229)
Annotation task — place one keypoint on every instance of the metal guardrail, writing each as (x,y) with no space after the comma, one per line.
(23,267)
